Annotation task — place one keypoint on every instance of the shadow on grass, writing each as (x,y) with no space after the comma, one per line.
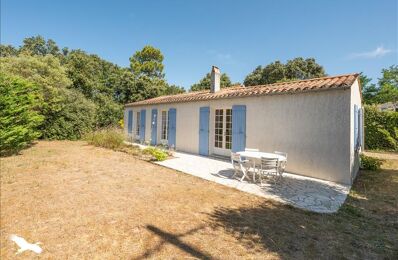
(175,240)
(17,152)
(362,228)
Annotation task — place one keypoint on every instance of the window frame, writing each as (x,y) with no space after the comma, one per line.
(138,124)
(164,123)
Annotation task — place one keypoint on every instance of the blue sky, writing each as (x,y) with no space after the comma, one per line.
(344,36)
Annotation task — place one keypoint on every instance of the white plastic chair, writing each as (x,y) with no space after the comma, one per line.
(270,166)
(239,165)
(282,164)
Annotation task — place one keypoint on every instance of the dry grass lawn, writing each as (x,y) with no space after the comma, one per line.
(86,202)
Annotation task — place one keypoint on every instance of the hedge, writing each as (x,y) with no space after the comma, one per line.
(381,129)
(19,116)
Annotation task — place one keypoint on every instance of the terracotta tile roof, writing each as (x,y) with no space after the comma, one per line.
(325,83)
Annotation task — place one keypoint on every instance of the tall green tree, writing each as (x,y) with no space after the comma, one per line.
(254,78)
(300,68)
(8,50)
(37,45)
(205,82)
(90,74)
(389,76)
(369,89)
(173,90)
(19,116)
(148,62)
(147,67)
(387,89)
(295,69)
(67,113)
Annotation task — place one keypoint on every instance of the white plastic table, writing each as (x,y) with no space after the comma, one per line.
(256,156)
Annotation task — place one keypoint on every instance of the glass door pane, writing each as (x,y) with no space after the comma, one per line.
(228,128)
(219,127)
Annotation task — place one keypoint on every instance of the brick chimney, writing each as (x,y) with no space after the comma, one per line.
(215,79)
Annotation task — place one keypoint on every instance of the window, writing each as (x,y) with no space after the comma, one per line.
(228,129)
(164,134)
(138,124)
(218,135)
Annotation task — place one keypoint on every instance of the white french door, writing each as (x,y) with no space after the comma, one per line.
(223,131)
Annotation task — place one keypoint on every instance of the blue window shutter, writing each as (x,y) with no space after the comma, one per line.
(238,128)
(142,125)
(355,127)
(172,127)
(130,122)
(204,130)
(154,126)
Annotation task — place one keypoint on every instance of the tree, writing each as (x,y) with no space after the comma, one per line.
(390,76)
(37,45)
(254,78)
(147,62)
(388,85)
(299,68)
(295,69)
(147,68)
(108,113)
(273,72)
(19,116)
(70,117)
(387,89)
(67,113)
(90,74)
(205,82)
(369,90)
(173,90)
(44,71)
(386,93)
(8,50)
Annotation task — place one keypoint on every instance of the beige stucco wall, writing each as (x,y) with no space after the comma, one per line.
(356,99)
(314,128)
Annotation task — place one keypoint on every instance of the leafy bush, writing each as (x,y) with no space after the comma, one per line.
(69,115)
(108,112)
(158,154)
(370,163)
(110,138)
(381,129)
(19,118)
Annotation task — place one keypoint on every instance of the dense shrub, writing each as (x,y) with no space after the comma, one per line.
(370,163)
(110,138)
(381,129)
(108,113)
(69,115)
(19,117)
(157,153)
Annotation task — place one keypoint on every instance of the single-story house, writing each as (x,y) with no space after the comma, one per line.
(318,122)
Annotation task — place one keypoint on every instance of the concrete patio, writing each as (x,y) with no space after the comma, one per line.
(301,192)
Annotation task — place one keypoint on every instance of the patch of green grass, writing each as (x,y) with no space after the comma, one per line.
(158,154)
(370,163)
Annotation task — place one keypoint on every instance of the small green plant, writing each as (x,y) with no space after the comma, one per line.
(110,138)
(158,154)
(370,163)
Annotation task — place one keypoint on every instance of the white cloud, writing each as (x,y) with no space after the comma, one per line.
(376,53)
